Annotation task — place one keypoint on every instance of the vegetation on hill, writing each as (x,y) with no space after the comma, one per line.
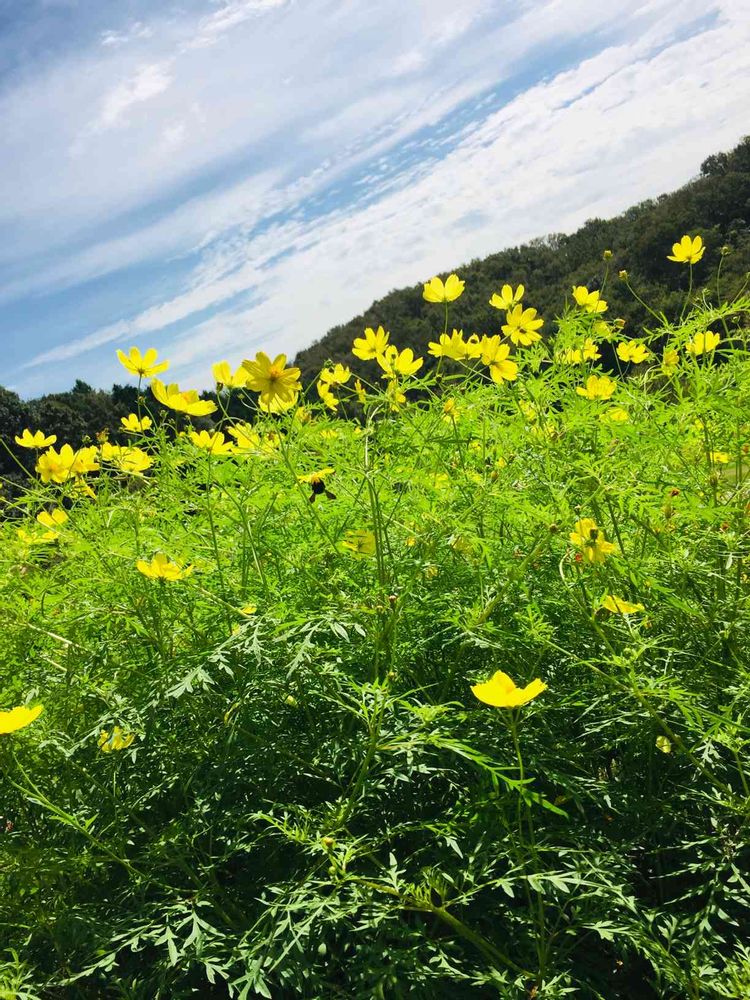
(446,701)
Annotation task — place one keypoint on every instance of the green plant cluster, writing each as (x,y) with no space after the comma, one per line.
(261,769)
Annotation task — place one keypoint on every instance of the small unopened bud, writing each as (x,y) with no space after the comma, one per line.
(623,275)
(553,528)
(327,842)
(725,250)
(291,701)
(620,323)
(607,255)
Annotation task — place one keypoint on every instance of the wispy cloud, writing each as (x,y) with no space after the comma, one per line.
(294,161)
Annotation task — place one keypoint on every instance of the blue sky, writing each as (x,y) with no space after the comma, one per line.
(211,177)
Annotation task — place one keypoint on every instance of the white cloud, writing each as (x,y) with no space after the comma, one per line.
(147,82)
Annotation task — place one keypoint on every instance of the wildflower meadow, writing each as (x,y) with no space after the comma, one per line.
(428,684)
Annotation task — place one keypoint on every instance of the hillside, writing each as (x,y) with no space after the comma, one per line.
(715,204)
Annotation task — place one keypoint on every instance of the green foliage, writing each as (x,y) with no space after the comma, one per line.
(302,797)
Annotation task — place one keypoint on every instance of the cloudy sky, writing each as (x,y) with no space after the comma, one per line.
(210,177)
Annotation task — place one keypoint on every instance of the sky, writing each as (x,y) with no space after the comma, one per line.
(217,177)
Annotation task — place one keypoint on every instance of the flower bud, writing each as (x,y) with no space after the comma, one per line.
(607,255)
(623,275)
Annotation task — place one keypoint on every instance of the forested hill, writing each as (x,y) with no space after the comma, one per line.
(716,204)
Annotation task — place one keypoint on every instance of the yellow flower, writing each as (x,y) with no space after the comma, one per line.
(359,389)
(436,291)
(245,437)
(224,376)
(181,402)
(591,541)
(37,439)
(162,568)
(590,301)
(449,346)
(58,467)
(142,365)
(395,395)
(116,740)
(670,359)
(719,457)
(450,410)
(249,609)
(134,461)
(597,387)
(501,369)
(327,395)
(317,481)
(360,542)
(687,251)
(212,441)
(338,375)
(278,385)
(615,415)
(619,606)
(522,326)
(134,424)
(51,520)
(575,355)
(664,744)
(702,343)
(507,298)
(500,691)
(395,362)
(373,343)
(633,351)
(18,718)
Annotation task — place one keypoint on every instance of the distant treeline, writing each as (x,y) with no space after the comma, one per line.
(716,204)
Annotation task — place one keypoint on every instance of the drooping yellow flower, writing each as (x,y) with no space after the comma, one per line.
(224,376)
(703,343)
(162,568)
(116,740)
(449,346)
(18,718)
(187,401)
(327,395)
(597,387)
(373,343)
(436,291)
(59,467)
(507,298)
(133,461)
(615,415)
(52,520)
(395,394)
(500,691)
(522,326)
(338,375)
(670,361)
(590,539)
(212,441)
(687,251)
(360,542)
(142,365)
(395,362)
(632,351)
(277,385)
(134,424)
(619,606)
(576,355)
(359,390)
(590,301)
(501,368)
(35,440)
(719,457)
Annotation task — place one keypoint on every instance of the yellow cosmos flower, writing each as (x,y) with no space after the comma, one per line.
(213,441)
(133,461)
(360,542)
(162,568)
(134,424)
(359,390)
(500,691)
(522,326)
(116,740)
(590,539)
(186,402)
(719,457)
(338,375)
(619,606)
(507,298)
(597,387)
(703,343)
(224,376)
(436,291)
(615,415)
(373,343)
(664,744)
(632,351)
(670,361)
(18,718)
(590,301)
(327,396)
(249,609)
(450,410)
(35,440)
(577,355)
(687,251)
(142,365)
(60,466)
(395,394)
(318,483)
(52,521)
(395,362)
(277,385)
(449,346)
(502,369)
